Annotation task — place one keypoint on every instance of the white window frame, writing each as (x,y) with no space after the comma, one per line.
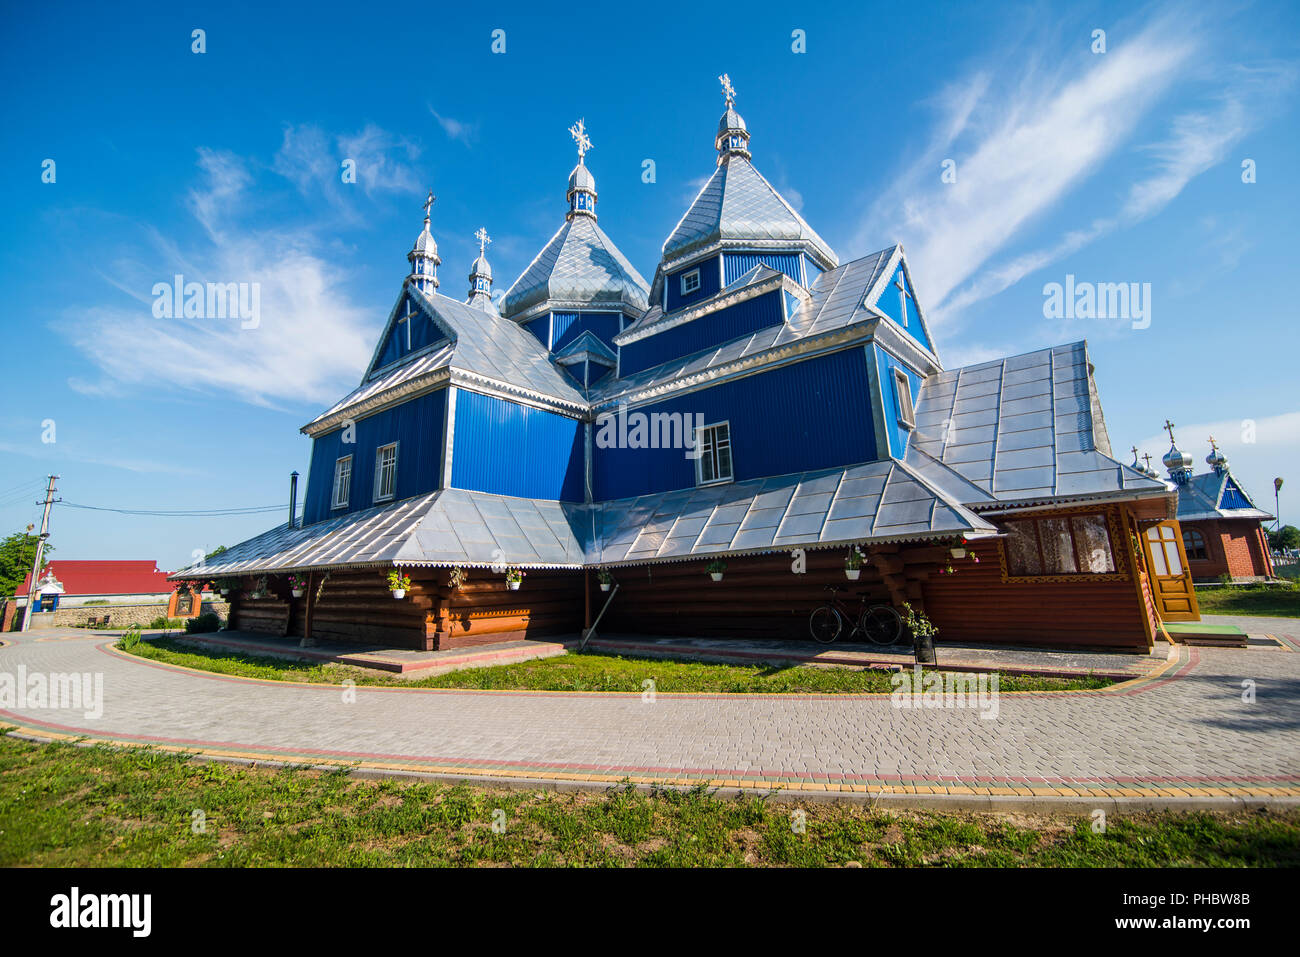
(378,497)
(700,448)
(346,484)
(692,274)
(903,399)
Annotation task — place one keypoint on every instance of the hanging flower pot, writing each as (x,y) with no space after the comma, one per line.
(398,583)
(958,552)
(296,585)
(853,564)
(716,569)
(852,573)
(514,578)
(605,578)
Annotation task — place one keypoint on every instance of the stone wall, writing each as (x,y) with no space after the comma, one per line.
(121,616)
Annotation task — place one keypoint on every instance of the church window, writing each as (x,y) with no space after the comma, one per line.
(903,399)
(342,481)
(714,446)
(1194,545)
(690,282)
(1059,545)
(385,472)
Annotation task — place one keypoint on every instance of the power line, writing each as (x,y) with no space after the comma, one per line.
(182,513)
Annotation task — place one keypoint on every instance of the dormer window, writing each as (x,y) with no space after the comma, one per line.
(690,282)
(903,400)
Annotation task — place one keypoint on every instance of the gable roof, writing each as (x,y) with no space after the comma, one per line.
(1214,495)
(579,267)
(104,577)
(483,349)
(738,204)
(1025,429)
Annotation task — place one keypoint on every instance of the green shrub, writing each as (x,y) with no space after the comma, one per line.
(208,621)
(130,638)
(96,601)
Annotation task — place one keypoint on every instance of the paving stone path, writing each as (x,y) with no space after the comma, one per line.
(1185,733)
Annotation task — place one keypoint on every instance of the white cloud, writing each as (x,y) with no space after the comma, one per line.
(311,341)
(313,162)
(455,129)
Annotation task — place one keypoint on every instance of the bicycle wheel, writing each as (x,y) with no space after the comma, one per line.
(825,624)
(882,625)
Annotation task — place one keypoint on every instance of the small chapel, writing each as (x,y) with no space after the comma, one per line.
(703,453)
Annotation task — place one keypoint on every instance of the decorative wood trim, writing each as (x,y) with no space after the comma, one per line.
(1122,568)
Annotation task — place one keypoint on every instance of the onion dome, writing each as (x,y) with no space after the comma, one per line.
(733,134)
(1216,459)
(1178,462)
(480,276)
(423,256)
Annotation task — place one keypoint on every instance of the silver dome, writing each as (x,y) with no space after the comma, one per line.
(581,178)
(481,267)
(1177,460)
(732,122)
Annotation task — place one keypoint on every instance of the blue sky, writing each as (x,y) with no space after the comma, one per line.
(1122,166)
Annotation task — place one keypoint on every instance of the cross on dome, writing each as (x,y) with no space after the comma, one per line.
(1169,427)
(728,90)
(428,205)
(483,240)
(579,133)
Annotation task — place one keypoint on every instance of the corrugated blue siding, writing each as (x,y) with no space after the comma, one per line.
(417,427)
(709,284)
(567,326)
(898,434)
(511,449)
(705,332)
(540,327)
(423,332)
(891,305)
(1233,497)
(809,415)
(735,265)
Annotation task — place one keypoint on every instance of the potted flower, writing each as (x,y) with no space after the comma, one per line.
(398,583)
(958,550)
(514,578)
(923,632)
(296,585)
(716,568)
(605,577)
(853,565)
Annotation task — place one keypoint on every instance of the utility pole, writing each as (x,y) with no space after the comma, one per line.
(40,552)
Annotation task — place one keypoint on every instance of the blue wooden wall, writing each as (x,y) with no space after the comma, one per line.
(886,364)
(735,265)
(809,415)
(423,332)
(567,326)
(511,449)
(705,332)
(709,284)
(890,305)
(416,425)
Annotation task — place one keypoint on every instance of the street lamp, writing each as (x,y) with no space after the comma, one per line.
(1277,511)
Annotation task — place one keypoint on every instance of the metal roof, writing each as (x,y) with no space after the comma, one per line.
(579,267)
(1202,498)
(483,347)
(877,501)
(1025,428)
(835,303)
(738,204)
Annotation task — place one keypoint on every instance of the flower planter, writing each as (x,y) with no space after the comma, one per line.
(716,576)
(852,573)
(399,592)
(513,586)
(958,553)
(604,586)
(297,592)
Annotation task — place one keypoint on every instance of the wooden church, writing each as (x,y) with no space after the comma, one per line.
(1223,531)
(703,453)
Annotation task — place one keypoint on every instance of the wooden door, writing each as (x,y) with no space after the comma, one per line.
(1171,579)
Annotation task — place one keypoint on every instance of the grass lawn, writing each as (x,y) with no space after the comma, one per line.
(66,806)
(1268,601)
(580,672)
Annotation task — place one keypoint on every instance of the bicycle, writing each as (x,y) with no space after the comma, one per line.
(881,624)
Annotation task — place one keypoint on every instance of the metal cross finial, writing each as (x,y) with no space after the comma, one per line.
(428,204)
(579,133)
(1214,446)
(483,239)
(1169,427)
(1134,450)
(1147,459)
(728,90)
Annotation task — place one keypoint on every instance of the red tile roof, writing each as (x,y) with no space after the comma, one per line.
(105,578)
